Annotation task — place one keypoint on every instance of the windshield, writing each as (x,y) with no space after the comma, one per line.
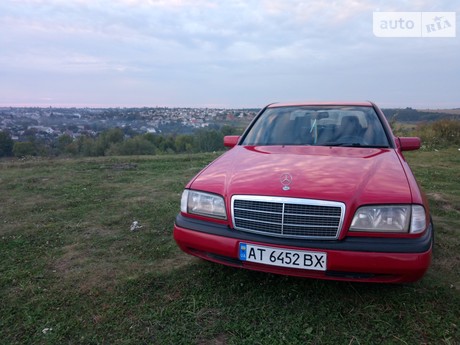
(320,126)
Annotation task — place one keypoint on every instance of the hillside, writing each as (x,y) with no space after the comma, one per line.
(72,272)
(48,124)
(414,115)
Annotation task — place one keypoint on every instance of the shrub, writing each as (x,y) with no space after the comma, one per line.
(21,149)
(6,144)
(439,134)
(133,146)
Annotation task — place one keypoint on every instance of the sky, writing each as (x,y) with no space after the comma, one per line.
(220,53)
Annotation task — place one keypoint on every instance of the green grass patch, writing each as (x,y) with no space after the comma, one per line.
(72,272)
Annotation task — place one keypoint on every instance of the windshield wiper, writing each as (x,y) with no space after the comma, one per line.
(342,144)
(355,145)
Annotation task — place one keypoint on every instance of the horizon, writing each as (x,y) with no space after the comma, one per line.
(187,107)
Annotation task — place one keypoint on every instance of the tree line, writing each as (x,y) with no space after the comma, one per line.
(416,116)
(114,142)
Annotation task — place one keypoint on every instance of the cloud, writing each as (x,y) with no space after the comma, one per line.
(285,49)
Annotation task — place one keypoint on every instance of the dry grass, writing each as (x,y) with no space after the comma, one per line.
(70,263)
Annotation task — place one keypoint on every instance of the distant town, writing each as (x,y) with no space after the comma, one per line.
(51,123)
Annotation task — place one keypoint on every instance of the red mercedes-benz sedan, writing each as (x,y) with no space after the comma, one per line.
(319,190)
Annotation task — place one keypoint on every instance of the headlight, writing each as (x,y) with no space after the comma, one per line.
(205,204)
(390,218)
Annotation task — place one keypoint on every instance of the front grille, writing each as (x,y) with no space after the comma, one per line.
(288,217)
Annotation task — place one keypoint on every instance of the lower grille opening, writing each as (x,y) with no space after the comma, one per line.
(215,257)
(352,275)
(223,259)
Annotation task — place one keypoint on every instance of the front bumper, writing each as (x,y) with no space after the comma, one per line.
(391,260)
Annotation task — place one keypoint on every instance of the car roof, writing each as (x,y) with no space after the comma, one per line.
(299,104)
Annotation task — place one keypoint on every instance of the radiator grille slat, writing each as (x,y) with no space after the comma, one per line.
(288,217)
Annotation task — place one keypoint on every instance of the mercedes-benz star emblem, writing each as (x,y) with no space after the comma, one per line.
(286,180)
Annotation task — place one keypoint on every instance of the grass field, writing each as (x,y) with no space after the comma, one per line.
(72,272)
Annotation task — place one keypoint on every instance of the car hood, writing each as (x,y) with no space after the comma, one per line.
(347,174)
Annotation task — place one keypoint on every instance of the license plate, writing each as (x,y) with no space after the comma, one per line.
(283,257)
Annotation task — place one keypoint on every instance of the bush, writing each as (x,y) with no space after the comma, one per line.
(22,149)
(133,146)
(114,142)
(66,145)
(439,134)
(6,144)
(208,141)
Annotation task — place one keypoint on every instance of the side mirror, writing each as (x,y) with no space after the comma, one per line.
(231,140)
(409,143)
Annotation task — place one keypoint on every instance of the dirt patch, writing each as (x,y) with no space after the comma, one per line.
(78,266)
(81,267)
(220,339)
(120,166)
(446,264)
(90,232)
(73,260)
(168,265)
(437,197)
(442,201)
(139,199)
